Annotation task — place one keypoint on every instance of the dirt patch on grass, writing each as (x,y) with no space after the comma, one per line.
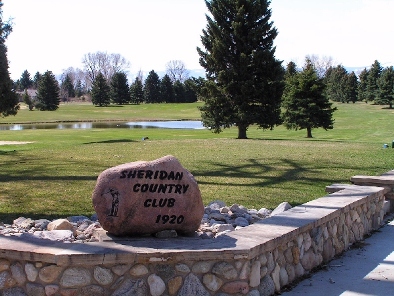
(13,143)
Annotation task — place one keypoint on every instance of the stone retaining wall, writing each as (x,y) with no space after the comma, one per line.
(258,260)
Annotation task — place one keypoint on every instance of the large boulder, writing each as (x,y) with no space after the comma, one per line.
(146,197)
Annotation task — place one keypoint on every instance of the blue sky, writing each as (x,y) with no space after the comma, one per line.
(54,35)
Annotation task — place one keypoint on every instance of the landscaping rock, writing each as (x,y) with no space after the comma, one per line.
(263,213)
(23,222)
(76,219)
(55,235)
(41,224)
(60,224)
(217,221)
(241,221)
(284,206)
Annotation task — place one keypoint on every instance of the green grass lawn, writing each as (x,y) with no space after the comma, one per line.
(88,112)
(55,175)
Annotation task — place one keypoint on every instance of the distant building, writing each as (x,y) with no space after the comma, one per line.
(31,92)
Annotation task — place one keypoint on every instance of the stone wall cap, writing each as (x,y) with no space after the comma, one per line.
(384,179)
(337,187)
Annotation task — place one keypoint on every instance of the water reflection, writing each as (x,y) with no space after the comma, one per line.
(91,125)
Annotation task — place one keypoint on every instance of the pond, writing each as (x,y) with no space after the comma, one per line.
(90,125)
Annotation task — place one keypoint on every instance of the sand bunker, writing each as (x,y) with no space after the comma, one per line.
(13,142)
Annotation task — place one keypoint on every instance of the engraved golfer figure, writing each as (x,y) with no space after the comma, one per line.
(115,202)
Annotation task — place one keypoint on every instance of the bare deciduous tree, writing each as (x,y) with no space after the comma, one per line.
(177,71)
(321,64)
(77,76)
(107,64)
(140,75)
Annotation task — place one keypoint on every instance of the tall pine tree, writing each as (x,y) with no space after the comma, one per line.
(386,87)
(190,91)
(362,86)
(180,92)
(152,88)
(25,81)
(48,93)
(137,92)
(372,81)
(244,78)
(290,72)
(120,92)
(336,82)
(167,89)
(36,79)
(68,87)
(79,88)
(305,105)
(100,91)
(352,87)
(9,104)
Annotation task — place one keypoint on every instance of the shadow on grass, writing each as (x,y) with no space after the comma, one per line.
(7,152)
(110,106)
(45,178)
(281,173)
(20,168)
(259,172)
(302,139)
(111,141)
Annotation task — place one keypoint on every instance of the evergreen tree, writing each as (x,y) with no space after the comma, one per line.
(336,82)
(290,72)
(197,84)
(362,86)
(372,81)
(100,91)
(244,78)
(36,79)
(120,92)
(9,104)
(27,100)
(179,90)
(304,102)
(291,69)
(79,88)
(190,91)
(167,89)
(68,87)
(152,88)
(352,87)
(137,92)
(48,93)
(386,87)
(25,81)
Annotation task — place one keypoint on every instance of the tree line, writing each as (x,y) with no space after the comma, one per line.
(375,85)
(174,87)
